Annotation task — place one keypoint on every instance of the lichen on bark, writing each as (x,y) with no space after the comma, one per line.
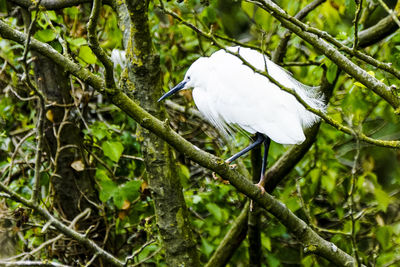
(144,75)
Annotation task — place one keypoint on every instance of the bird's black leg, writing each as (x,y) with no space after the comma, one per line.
(261,183)
(260,138)
(267,142)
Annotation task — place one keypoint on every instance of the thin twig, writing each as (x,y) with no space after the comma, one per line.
(91,260)
(14,154)
(95,46)
(280,50)
(21,97)
(137,252)
(327,119)
(356,21)
(391,12)
(353,184)
(147,258)
(304,31)
(41,110)
(33,263)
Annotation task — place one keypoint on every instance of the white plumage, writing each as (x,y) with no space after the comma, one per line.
(229,93)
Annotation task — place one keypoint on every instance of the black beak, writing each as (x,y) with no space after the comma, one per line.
(177,88)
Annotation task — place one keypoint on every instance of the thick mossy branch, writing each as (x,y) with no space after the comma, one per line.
(280,51)
(327,119)
(377,32)
(144,85)
(316,38)
(311,241)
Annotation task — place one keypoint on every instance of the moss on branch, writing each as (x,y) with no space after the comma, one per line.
(295,225)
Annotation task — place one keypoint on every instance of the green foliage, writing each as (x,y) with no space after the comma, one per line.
(113,150)
(128,191)
(86,54)
(318,189)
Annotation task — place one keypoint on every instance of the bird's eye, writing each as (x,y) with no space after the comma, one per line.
(188,78)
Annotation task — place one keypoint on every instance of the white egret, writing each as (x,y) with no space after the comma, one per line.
(231,95)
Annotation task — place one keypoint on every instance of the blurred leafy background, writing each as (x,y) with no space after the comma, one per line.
(317,189)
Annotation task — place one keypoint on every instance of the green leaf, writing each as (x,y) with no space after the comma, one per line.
(329,181)
(266,242)
(113,150)
(108,187)
(99,130)
(130,190)
(272,261)
(383,234)
(331,73)
(293,204)
(184,174)
(86,54)
(184,171)
(71,11)
(76,42)
(383,199)
(206,247)
(46,35)
(52,15)
(214,210)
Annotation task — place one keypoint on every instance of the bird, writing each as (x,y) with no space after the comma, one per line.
(232,96)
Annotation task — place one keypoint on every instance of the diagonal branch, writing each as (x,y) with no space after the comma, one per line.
(280,51)
(316,38)
(327,119)
(54,4)
(377,32)
(310,239)
(284,17)
(82,239)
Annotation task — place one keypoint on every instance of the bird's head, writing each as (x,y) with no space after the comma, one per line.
(193,78)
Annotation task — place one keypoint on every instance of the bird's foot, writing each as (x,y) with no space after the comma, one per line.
(233,166)
(261,186)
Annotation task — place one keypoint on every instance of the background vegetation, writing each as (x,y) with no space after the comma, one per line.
(84,183)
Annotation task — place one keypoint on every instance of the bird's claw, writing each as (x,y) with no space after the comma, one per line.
(259,185)
(233,166)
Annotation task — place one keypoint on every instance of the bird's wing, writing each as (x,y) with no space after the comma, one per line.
(240,96)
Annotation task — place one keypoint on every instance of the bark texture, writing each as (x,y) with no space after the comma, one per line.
(68,184)
(144,83)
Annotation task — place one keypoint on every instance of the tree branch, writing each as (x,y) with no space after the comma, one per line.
(32,263)
(310,240)
(356,22)
(327,119)
(54,4)
(80,238)
(391,12)
(232,239)
(377,32)
(41,105)
(95,46)
(313,36)
(280,50)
